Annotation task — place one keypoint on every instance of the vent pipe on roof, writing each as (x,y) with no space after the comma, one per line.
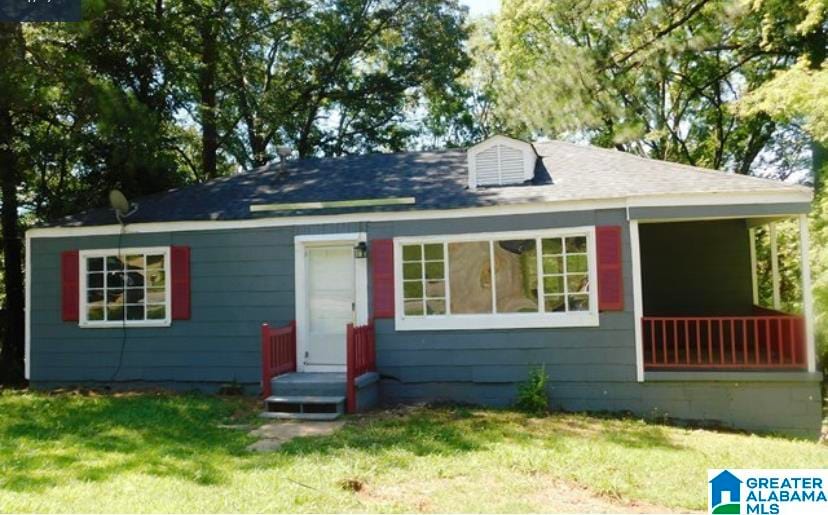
(283,152)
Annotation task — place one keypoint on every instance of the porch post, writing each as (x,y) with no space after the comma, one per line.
(777,301)
(638,304)
(753,278)
(807,294)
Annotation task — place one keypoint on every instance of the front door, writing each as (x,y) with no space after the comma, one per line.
(330,306)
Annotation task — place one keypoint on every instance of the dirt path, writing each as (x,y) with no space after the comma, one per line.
(548,495)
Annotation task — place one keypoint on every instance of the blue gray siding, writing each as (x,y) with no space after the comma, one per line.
(501,357)
(720,211)
(241,278)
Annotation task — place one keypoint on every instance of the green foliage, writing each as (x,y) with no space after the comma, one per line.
(134,453)
(819,273)
(793,94)
(124,99)
(790,282)
(654,78)
(532,395)
(800,91)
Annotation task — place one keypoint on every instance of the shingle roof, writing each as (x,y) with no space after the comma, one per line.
(437,180)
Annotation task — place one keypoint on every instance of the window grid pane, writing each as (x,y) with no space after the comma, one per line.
(565,265)
(561,275)
(129,288)
(424,290)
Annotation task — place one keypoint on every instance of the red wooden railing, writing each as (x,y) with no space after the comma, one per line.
(278,353)
(772,341)
(361,358)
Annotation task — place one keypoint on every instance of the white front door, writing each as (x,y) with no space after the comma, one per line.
(331,305)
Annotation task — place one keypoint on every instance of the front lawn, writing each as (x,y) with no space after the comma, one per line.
(169,453)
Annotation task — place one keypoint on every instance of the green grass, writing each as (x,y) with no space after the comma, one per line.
(158,452)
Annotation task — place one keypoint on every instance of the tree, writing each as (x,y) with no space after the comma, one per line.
(655,78)
(149,95)
(474,116)
(801,91)
(14,94)
(344,76)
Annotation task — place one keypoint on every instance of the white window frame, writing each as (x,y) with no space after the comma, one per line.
(83,255)
(496,320)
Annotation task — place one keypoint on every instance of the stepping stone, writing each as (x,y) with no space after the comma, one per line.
(274,435)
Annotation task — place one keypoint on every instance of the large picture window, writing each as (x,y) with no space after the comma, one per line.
(520,279)
(130,287)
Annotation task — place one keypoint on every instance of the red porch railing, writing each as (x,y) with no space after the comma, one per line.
(771,341)
(278,353)
(361,358)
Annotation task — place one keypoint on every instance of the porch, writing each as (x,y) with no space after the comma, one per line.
(317,395)
(699,295)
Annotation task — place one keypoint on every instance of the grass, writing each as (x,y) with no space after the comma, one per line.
(157,452)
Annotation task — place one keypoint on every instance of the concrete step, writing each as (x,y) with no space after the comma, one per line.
(309,383)
(307,407)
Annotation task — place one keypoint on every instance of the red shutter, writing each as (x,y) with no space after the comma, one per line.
(610,271)
(382,264)
(70,285)
(180,282)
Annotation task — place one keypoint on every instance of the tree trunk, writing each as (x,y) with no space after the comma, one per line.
(12,353)
(815,46)
(207,90)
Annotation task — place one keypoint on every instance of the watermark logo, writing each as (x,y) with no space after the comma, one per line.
(40,10)
(767,491)
(725,493)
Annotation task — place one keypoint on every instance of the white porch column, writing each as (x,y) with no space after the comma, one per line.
(753,277)
(638,304)
(777,301)
(807,295)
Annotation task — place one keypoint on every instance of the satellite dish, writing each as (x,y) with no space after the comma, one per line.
(284,151)
(120,204)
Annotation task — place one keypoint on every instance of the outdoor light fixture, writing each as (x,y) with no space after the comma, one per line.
(361,250)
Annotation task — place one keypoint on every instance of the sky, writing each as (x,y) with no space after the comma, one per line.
(478,7)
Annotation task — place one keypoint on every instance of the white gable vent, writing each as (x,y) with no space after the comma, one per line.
(499,161)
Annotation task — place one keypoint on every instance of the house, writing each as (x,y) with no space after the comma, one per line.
(725,482)
(443,275)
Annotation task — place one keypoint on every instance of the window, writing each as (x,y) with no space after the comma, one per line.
(526,279)
(424,279)
(127,288)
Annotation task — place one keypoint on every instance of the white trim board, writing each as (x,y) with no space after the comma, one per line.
(638,303)
(301,244)
(690,199)
(332,204)
(807,294)
(754,280)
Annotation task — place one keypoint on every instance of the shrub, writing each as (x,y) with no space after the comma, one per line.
(532,396)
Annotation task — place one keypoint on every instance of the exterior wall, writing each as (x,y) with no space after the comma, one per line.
(241,278)
(696,268)
(505,355)
(238,280)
